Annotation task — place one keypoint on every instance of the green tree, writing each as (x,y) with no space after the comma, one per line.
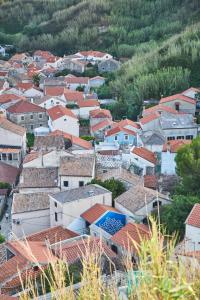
(4,185)
(114,185)
(2,239)
(36,79)
(174,215)
(188,167)
(30,139)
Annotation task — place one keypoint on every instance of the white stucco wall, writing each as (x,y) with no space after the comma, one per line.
(168,164)
(73,181)
(49,103)
(30,222)
(192,236)
(184,106)
(84,112)
(65,124)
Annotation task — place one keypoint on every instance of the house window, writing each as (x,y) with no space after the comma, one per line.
(180,137)
(156,204)
(116,137)
(9,156)
(66,183)
(177,106)
(31,127)
(170,138)
(114,249)
(126,137)
(40,125)
(55,203)
(81,183)
(4,156)
(65,119)
(22,118)
(189,137)
(31,116)
(40,116)
(56,217)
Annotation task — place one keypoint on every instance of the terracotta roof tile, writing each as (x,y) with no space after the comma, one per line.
(101,125)
(194,217)
(92,53)
(59,111)
(93,213)
(159,108)
(73,96)
(150,181)
(74,139)
(145,154)
(54,90)
(4,98)
(100,113)
(174,145)
(77,80)
(7,125)
(149,118)
(8,173)
(127,122)
(118,129)
(129,233)
(25,85)
(88,103)
(24,106)
(177,97)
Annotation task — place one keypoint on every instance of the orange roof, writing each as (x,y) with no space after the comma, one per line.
(175,145)
(194,217)
(197,90)
(149,118)
(79,80)
(74,139)
(24,106)
(159,108)
(93,213)
(9,150)
(4,98)
(59,111)
(118,129)
(92,53)
(74,96)
(25,85)
(145,154)
(88,103)
(42,53)
(177,97)
(53,235)
(54,90)
(128,122)
(131,232)
(101,125)
(150,181)
(100,113)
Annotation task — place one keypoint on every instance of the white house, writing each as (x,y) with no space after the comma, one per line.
(138,202)
(192,230)
(180,103)
(93,56)
(67,206)
(151,140)
(150,122)
(76,171)
(86,106)
(30,213)
(191,92)
(51,101)
(170,148)
(33,93)
(73,82)
(62,118)
(96,81)
(99,115)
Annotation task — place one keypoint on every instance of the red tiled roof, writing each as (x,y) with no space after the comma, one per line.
(127,122)
(149,118)
(52,235)
(88,103)
(6,297)
(4,98)
(175,145)
(177,97)
(129,233)
(97,77)
(76,249)
(31,156)
(54,90)
(194,217)
(93,213)
(25,85)
(150,181)
(8,173)
(3,73)
(73,96)
(159,108)
(59,111)
(101,125)
(145,154)
(74,139)
(77,80)
(42,53)
(197,90)
(100,113)
(92,53)
(10,126)
(24,106)
(117,129)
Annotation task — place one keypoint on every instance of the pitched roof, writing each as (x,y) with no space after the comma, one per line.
(53,235)
(77,80)
(150,181)
(25,85)
(88,103)
(138,197)
(4,98)
(93,213)
(145,154)
(118,129)
(50,142)
(101,125)
(23,106)
(80,165)
(129,234)
(97,77)
(127,122)
(39,177)
(73,96)
(159,108)
(54,90)
(100,113)
(59,111)
(29,202)
(174,145)
(74,139)
(149,118)
(7,125)
(8,173)
(194,217)
(177,97)
(92,53)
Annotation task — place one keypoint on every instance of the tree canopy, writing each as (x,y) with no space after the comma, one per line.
(113,185)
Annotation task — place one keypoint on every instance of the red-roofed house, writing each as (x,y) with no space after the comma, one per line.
(28,115)
(122,136)
(74,82)
(98,130)
(93,56)
(159,108)
(192,230)
(180,102)
(144,159)
(97,81)
(72,96)
(168,155)
(62,118)
(54,90)
(86,106)
(127,239)
(150,122)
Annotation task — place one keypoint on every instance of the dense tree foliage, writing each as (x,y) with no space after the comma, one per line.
(4,185)
(30,139)
(114,185)
(2,239)
(188,167)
